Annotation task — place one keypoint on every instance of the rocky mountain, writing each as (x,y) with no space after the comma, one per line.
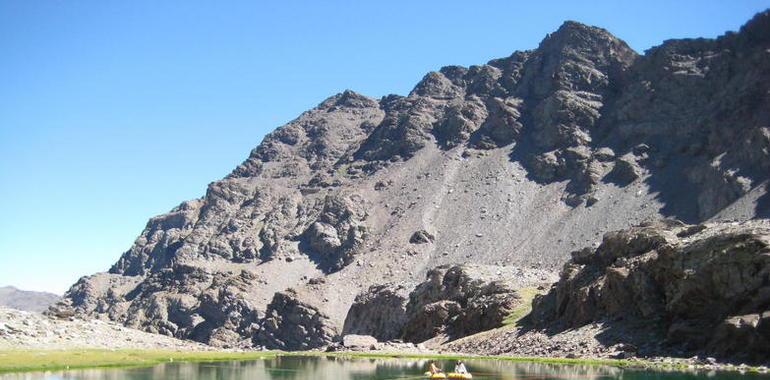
(26,300)
(514,163)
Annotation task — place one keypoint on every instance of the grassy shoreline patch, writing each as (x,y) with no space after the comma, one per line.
(519,312)
(522,359)
(53,360)
(48,360)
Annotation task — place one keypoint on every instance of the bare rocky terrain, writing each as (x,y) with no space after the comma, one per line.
(26,300)
(509,166)
(663,288)
(29,330)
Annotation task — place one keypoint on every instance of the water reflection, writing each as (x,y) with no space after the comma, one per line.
(333,368)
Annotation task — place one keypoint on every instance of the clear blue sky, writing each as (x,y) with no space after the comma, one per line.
(114,111)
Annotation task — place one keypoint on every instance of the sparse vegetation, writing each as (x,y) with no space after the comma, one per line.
(519,312)
(48,360)
(40,360)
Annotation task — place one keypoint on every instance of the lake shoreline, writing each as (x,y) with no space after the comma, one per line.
(23,360)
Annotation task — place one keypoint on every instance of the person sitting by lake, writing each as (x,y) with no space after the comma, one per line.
(434,369)
(460,367)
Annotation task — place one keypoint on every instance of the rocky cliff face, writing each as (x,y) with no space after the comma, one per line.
(517,162)
(453,302)
(706,286)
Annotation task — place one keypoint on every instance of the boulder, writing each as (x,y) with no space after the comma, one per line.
(359,342)
(625,171)
(380,312)
(293,324)
(421,237)
(453,301)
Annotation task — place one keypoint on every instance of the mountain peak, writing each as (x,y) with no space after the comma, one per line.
(578,35)
(348,98)
(576,25)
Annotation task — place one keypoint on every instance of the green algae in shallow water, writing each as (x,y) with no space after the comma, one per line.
(339,368)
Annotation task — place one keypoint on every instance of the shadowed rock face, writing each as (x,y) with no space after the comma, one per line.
(338,233)
(516,162)
(452,302)
(705,285)
(379,312)
(291,324)
(458,301)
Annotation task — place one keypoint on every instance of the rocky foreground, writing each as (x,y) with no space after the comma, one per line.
(29,330)
(448,206)
(660,289)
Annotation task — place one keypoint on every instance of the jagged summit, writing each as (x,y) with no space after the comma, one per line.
(348,98)
(577,35)
(757,30)
(512,163)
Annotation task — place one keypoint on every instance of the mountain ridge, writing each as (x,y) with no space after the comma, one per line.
(26,300)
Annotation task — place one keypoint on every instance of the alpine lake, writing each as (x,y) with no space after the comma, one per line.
(343,368)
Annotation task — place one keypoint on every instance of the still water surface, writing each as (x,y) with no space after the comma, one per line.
(330,368)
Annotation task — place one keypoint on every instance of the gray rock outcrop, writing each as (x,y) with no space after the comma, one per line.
(458,301)
(359,342)
(422,237)
(291,324)
(379,312)
(706,286)
(338,232)
(452,302)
